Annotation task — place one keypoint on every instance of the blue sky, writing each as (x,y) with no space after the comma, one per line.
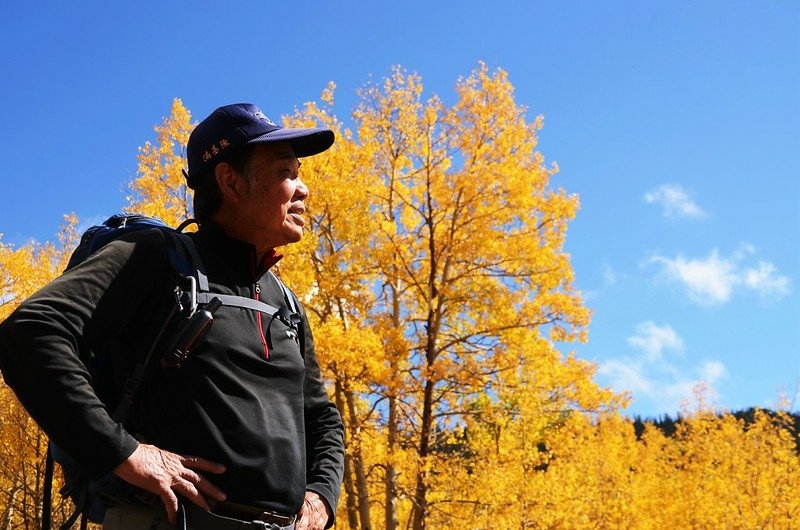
(677,123)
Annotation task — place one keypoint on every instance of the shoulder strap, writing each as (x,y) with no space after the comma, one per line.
(237,301)
(294,305)
(204,297)
(287,294)
(197,263)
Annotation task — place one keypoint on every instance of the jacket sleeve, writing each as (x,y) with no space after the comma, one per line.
(75,317)
(324,431)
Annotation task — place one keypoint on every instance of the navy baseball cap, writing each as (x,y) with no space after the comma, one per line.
(230,127)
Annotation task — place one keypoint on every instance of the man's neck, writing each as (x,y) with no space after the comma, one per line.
(237,230)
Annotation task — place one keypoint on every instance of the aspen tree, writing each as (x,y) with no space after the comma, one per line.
(160,189)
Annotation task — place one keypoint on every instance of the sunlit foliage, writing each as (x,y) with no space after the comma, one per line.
(441,297)
(160,189)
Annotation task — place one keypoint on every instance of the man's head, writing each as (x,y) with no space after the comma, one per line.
(244,170)
(232,127)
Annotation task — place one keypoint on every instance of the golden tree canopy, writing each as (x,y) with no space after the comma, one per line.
(435,277)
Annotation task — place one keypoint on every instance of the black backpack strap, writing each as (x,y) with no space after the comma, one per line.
(287,294)
(294,305)
(197,263)
(136,378)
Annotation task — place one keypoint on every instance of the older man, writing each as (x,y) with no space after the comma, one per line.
(241,435)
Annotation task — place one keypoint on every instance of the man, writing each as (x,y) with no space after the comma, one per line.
(243,431)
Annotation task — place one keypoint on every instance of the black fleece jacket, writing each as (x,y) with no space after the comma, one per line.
(246,397)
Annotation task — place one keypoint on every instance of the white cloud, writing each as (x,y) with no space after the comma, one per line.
(675,202)
(712,280)
(709,280)
(712,371)
(765,281)
(653,340)
(649,376)
(625,375)
(678,394)
(667,388)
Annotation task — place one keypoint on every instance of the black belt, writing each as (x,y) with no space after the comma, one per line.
(195,518)
(251,513)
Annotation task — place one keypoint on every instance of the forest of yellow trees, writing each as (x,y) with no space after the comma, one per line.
(438,287)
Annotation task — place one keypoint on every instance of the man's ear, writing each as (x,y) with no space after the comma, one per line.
(229,183)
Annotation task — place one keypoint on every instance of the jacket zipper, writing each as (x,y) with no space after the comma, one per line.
(260,324)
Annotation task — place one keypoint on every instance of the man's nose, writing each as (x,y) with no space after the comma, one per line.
(301,192)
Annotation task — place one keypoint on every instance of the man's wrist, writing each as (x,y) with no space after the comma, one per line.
(317,513)
(314,496)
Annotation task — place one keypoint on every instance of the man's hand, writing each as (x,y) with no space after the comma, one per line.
(168,474)
(314,514)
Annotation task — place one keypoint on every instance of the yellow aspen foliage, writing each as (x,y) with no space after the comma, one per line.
(470,269)
(160,189)
(26,269)
(733,475)
(23,449)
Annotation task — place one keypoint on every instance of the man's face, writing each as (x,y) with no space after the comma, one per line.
(273,206)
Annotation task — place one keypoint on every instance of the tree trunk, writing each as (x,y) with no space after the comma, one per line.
(421,490)
(8,515)
(358,462)
(390,479)
(349,487)
(41,449)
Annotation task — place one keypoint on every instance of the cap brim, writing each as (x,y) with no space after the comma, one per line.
(304,142)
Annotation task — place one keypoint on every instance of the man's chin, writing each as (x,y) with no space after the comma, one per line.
(293,236)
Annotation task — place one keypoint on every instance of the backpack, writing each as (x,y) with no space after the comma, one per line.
(188,320)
